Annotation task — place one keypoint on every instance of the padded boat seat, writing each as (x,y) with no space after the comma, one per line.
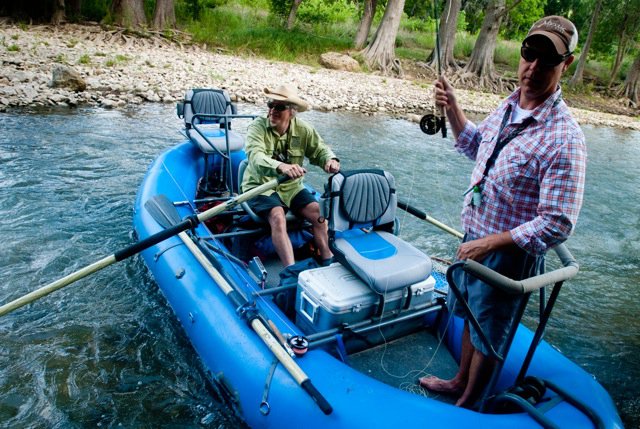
(361,207)
(209,137)
(206,125)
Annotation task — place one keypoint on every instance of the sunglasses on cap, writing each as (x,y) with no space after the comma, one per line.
(546,60)
(278,107)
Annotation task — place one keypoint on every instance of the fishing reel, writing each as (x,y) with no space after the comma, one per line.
(431,124)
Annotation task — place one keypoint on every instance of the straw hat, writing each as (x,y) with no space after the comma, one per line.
(288,94)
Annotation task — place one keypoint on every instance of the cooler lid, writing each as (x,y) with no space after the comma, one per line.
(336,288)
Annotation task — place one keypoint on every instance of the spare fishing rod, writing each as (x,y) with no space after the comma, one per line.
(434,122)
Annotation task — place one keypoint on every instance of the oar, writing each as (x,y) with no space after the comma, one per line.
(120,255)
(422,215)
(163,211)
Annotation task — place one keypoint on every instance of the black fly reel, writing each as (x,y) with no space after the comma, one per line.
(431,124)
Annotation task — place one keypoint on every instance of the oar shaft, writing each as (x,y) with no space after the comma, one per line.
(52,287)
(251,193)
(95,267)
(258,326)
(138,247)
(422,215)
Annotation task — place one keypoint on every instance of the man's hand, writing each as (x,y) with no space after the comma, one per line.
(478,249)
(332,166)
(445,95)
(293,171)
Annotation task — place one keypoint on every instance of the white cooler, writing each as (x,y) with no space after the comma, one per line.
(329,296)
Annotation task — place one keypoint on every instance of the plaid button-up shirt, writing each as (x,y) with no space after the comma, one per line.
(535,188)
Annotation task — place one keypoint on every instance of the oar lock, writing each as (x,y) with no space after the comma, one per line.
(299,345)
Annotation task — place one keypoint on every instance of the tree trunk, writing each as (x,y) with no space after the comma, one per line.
(576,79)
(292,14)
(128,13)
(59,16)
(365,24)
(631,87)
(381,52)
(622,48)
(446,37)
(480,69)
(164,15)
(621,51)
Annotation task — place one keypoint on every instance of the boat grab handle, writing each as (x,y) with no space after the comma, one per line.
(520,287)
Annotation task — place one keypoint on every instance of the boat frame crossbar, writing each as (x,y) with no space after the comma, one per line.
(327,336)
(524,288)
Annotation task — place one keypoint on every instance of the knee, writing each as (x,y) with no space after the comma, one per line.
(277,219)
(312,213)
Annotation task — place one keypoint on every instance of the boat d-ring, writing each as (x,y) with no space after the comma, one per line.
(265,408)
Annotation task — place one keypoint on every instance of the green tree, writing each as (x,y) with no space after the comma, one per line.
(380,53)
(364,27)
(576,79)
(521,17)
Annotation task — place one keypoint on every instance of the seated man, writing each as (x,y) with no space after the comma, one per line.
(277,145)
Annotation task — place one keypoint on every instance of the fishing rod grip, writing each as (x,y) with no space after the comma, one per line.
(317,396)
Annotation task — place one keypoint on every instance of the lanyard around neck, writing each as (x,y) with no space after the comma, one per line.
(502,142)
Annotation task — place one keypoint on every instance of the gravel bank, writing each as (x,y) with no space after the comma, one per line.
(123,70)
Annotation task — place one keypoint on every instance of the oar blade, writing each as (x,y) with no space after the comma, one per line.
(163,211)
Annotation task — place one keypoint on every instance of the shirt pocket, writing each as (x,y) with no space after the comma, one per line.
(295,156)
(516,176)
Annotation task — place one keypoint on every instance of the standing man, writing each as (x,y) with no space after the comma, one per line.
(278,144)
(525,192)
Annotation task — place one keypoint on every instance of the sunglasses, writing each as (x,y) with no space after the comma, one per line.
(545,60)
(277,107)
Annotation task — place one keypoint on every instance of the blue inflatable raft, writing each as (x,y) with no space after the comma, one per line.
(338,346)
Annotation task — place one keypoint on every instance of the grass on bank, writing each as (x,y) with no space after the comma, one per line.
(248,28)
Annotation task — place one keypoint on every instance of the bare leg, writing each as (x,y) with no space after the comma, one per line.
(320,230)
(457,384)
(479,374)
(281,241)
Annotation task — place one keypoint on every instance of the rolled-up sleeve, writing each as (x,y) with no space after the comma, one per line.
(317,150)
(468,140)
(259,149)
(561,196)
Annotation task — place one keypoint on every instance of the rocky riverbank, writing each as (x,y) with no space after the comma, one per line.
(119,70)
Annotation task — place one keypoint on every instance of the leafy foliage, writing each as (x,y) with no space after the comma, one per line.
(322,11)
(521,18)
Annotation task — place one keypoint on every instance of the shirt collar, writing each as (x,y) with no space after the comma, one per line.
(541,112)
(293,129)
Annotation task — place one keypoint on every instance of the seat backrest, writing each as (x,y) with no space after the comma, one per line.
(359,198)
(205,101)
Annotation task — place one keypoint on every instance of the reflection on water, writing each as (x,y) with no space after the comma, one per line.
(107,350)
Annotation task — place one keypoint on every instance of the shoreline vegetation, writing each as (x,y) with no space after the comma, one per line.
(118,69)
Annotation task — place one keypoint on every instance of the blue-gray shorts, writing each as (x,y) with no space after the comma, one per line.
(262,204)
(494,308)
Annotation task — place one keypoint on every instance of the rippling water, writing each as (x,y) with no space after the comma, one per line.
(106,351)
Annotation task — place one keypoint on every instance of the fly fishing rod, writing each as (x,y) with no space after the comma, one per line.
(434,122)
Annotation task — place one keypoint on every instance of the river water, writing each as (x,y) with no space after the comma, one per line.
(107,351)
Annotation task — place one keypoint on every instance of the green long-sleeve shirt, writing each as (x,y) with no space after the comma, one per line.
(266,150)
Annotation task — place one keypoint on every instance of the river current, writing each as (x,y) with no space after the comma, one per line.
(107,351)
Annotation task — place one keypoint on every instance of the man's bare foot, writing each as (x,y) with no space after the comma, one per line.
(435,384)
